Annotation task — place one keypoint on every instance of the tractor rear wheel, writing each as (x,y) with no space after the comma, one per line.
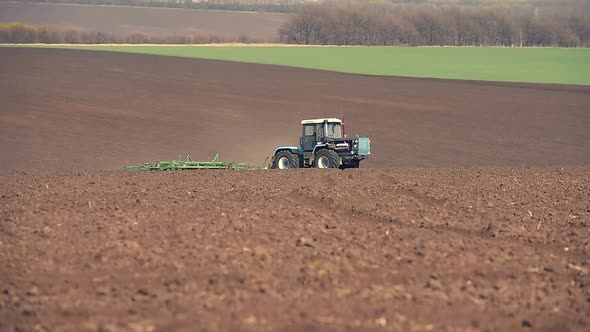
(286,160)
(326,159)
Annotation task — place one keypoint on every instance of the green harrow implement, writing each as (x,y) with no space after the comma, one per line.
(189,164)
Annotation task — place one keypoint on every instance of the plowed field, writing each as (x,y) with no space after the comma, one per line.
(68,109)
(400,250)
(493,234)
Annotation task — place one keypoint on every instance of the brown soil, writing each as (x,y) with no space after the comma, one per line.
(150,21)
(400,250)
(65,109)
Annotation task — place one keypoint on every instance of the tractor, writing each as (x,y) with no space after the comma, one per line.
(323,144)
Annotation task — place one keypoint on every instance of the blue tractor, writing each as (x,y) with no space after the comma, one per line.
(323,144)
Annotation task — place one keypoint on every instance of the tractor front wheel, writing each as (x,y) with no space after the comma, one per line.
(326,159)
(286,160)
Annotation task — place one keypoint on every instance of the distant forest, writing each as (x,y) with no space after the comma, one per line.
(560,23)
(510,23)
(19,33)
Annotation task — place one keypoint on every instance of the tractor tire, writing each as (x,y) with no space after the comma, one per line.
(285,160)
(326,159)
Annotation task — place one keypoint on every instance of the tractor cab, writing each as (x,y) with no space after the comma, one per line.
(320,131)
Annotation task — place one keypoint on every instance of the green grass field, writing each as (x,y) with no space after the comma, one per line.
(538,65)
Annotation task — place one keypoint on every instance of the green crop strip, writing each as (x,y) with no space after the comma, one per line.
(534,65)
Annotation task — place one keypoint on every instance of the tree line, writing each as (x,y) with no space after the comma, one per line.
(516,23)
(449,25)
(18,33)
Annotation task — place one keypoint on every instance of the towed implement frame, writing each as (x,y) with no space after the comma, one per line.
(189,164)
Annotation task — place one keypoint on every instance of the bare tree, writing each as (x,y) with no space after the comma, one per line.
(439,25)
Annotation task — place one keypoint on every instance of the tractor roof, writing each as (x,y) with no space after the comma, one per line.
(312,121)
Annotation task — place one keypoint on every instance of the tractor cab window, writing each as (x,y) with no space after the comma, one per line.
(309,130)
(334,130)
(317,130)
